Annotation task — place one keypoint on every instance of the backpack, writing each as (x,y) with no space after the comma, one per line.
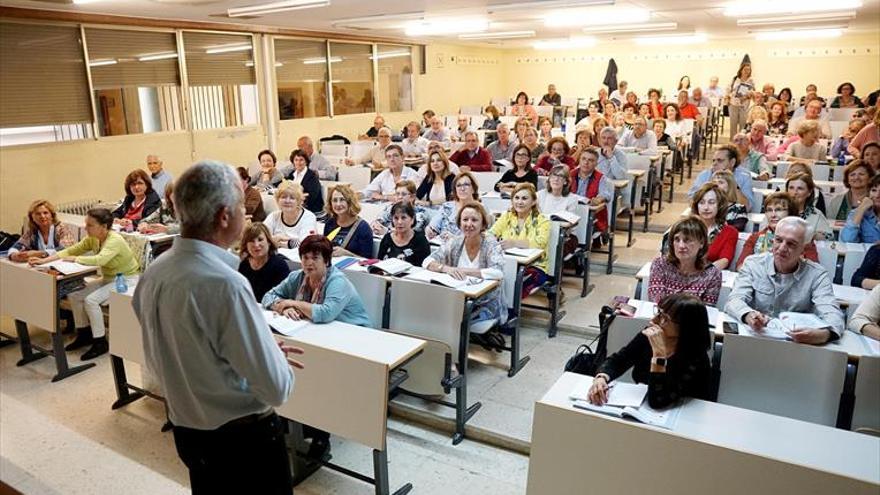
(585,360)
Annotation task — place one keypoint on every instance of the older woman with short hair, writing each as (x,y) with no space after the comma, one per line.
(857,179)
(557,154)
(260,262)
(808,149)
(405,192)
(269,175)
(684,268)
(402,241)
(140,200)
(292,222)
(557,195)
(350,234)
(44,234)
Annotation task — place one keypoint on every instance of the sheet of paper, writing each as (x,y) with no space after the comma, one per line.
(852,295)
(68,267)
(523,252)
(620,394)
(282,324)
(566,216)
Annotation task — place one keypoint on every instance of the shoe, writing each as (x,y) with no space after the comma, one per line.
(318,449)
(99,346)
(83,338)
(495,340)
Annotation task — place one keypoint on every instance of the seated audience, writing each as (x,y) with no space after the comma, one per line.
(524,226)
(545,130)
(686,109)
(373,132)
(857,180)
(557,154)
(813,113)
(319,291)
(253,200)
(777,119)
(663,139)
(140,200)
(756,112)
(609,110)
(414,145)
(871,155)
(502,147)
(473,156)
(291,222)
(868,134)
(444,223)
(375,156)
(402,241)
(590,183)
(737,216)
(317,162)
(592,115)
(404,193)
(777,206)
(163,220)
(583,139)
(802,190)
(493,119)
(260,263)
(846,97)
(670,355)
(521,126)
(812,93)
(522,108)
(158,174)
(771,283)
(863,222)
(655,105)
(303,175)
(464,125)
(557,195)
(436,188)
(349,234)
(619,94)
(726,158)
(785,97)
(674,123)
(44,234)
(269,175)
(749,159)
(842,142)
(530,139)
(866,319)
(710,206)
(552,97)
(629,115)
(108,251)
(868,274)
(808,149)
(713,90)
(698,100)
(383,186)
(684,268)
(759,142)
(602,96)
(437,132)
(598,124)
(427,115)
(612,160)
(619,124)
(522,171)
(639,137)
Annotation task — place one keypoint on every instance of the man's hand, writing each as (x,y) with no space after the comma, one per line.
(757,320)
(288,350)
(815,336)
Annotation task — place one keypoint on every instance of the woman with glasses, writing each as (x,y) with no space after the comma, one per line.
(405,193)
(669,355)
(557,195)
(444,223)
(684,268)
(349,233)
(521,172)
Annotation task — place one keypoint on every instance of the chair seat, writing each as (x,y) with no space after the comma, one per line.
(483,326)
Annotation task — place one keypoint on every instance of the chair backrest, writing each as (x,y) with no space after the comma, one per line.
(371,211)
(495,204)
(852,260)
(569,101)
(510,120)
(510,268)
(740,242)
(360,148)
(837,173)
(840,114)
(140,248)
(487,180)
(335,149)
(372,290)
(471,110)
(821,172)
(580,230)
(687,126)
(635,161)
(621,331)
(426,372)
(410,303)
(794,380)
(552,246)
(356,176)
(837,128)
(500,102)
(866,410)
(477,121)
(828,256)
(644,274)
(544,111)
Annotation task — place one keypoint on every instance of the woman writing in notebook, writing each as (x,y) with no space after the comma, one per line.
(669,355)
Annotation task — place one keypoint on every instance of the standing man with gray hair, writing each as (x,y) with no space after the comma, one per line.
(782,280)
(208,343)
(160,177)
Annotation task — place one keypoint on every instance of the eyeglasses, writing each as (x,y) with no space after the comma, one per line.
(661,316)
(463,185)
(524,155)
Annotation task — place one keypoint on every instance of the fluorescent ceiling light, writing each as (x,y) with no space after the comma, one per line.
(83,2)
(797,7)
(797,19)
(275,7)
(624,28)
(157,56)
(565,44)
(100,63)
(503,7)
(250,63)
(595,17)
(446,27)
(497,35)
(687,39)
(798,34)
(238,47)
(321,60)
(406,16)
(394,54)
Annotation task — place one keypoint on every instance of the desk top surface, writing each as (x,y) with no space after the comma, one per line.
(813,446)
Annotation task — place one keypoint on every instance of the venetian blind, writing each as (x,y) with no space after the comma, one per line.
(125,58)
(218,59)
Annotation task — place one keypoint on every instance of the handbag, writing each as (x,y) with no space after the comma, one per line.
(585,360)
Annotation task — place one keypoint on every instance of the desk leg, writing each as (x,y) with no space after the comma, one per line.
(61,365)
(649,197)
(632,213)
(380,475)
(124,396)
(27,350)
(661,184)
(611,228)
(585,287)
(516,363)
(462,412)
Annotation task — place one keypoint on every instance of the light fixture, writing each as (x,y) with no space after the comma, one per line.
(101,63)
(568,18)
(798,34)
(678,39)
(394,54)
(237,47)
(83,2)
(446,27)
(797,19)
(250,63)
(625,28)
(275,7)
(157,56)
(497,35)
(796,7)
(321,60)
(504,7)
(565,44)
(370,19)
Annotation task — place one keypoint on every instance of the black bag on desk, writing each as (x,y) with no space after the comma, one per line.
(585,360)
(8,240)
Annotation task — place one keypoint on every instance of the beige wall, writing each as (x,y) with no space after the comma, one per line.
(580,72)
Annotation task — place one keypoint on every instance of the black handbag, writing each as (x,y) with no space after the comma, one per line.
(8,240)
(585,360)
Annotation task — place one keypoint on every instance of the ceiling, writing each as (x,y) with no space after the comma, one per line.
(691,17)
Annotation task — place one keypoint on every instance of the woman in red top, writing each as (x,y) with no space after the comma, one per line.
(710,206)
(654,104)
(557,154)
(140,200)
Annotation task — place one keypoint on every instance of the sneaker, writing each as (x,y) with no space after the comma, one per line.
(83,338)
(99,346)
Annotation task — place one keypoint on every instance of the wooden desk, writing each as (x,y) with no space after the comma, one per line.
(577,451)
(355,408)
(31,296)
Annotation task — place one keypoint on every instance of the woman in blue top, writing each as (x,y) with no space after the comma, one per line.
(319,291)
(863,221)
(350,234)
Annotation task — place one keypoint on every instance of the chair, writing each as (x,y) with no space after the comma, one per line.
(372,290)
(486,181)
(866,410)
(852,260)
(477,121)
(500,102)
(840,114)
(828,255)
(621,331)
(837,128)
(544,111)
(740,243)
(471,110)
(356,176)
(794,380)
(335,149)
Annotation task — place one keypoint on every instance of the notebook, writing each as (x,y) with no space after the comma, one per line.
(523,252)
(283,324)
(390,266)
(620,394)
(565,216)
(67,267)
(643,414)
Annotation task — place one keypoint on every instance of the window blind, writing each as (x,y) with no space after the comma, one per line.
(127,58)
(218,59)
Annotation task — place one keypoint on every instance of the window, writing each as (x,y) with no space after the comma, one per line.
(220,74)
(135,81)
(395,78)
(43,84)
(351,70)
(301,75)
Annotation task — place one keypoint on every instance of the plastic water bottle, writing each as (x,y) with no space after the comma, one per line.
(121,285)
(841,159)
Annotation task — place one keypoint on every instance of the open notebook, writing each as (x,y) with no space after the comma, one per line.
(283,324)
(66,267)
(778,328)
(627,400)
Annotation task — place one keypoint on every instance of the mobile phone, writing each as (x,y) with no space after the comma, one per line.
(626,310)
(620,299)
(730,327)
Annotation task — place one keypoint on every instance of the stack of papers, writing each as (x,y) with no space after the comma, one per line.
(626,400)
(283,324)
(523,252)
(620,394)
(67,267)
(565,216)
(442,279)
(390,266)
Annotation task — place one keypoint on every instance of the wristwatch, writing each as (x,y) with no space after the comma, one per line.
(659,361)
